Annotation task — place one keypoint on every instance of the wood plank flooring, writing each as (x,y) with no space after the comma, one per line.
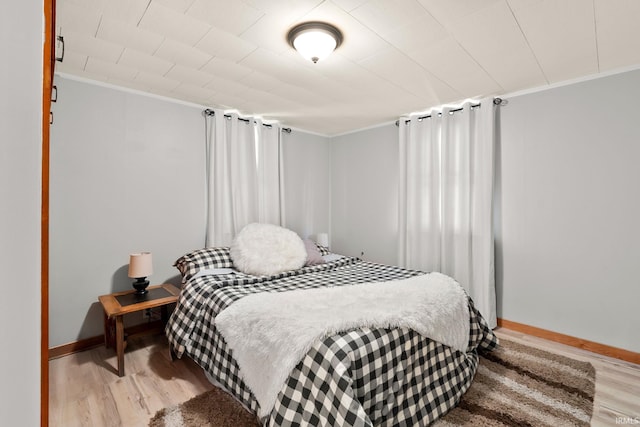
(85,389)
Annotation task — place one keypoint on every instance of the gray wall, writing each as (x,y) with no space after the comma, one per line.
(569,208)
(127,174)
(307,183)
(364,194)
(20,189)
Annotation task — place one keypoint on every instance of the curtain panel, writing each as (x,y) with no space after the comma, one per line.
(243,165)
(446,198)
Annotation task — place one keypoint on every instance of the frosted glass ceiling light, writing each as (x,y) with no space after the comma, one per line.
(314,40)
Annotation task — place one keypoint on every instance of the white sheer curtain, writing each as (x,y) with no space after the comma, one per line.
(243,175)
(446,198)
(270,194)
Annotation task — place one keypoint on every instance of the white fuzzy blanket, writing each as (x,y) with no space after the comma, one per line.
(269,333)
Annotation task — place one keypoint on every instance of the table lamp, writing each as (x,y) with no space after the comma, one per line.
(140,266)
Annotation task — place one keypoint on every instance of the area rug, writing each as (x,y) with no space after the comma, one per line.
(515,385)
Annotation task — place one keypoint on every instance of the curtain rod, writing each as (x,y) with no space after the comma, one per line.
(496,101)
(209,112)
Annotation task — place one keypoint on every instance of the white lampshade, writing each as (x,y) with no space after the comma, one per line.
(140,265)
(323,239)
(315,40)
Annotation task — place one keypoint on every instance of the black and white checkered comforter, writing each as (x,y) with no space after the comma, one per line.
(360,377)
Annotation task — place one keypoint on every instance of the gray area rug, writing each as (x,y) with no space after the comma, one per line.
(515,385)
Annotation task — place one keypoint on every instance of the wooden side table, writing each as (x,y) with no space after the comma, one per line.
(120,303)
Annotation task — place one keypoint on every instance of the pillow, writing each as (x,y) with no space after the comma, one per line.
(189,264)
(214,272)
(266,249)
(332,257)
(323,250)
(314,257)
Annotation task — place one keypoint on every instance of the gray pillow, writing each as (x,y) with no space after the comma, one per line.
(314,257)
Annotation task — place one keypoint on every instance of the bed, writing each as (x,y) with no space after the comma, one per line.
(383,370)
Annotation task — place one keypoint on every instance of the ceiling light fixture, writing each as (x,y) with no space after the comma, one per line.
(314,40)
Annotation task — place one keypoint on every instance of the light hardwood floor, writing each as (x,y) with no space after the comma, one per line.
(85,389)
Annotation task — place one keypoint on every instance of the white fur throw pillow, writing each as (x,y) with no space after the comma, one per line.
(266,249)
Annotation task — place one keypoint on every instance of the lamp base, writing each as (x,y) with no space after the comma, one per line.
(140,285)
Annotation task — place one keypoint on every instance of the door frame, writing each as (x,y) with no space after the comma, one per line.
(48,65)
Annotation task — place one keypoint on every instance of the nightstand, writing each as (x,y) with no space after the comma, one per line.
(120,303)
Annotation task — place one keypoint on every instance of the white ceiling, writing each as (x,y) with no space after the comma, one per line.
(398,56)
